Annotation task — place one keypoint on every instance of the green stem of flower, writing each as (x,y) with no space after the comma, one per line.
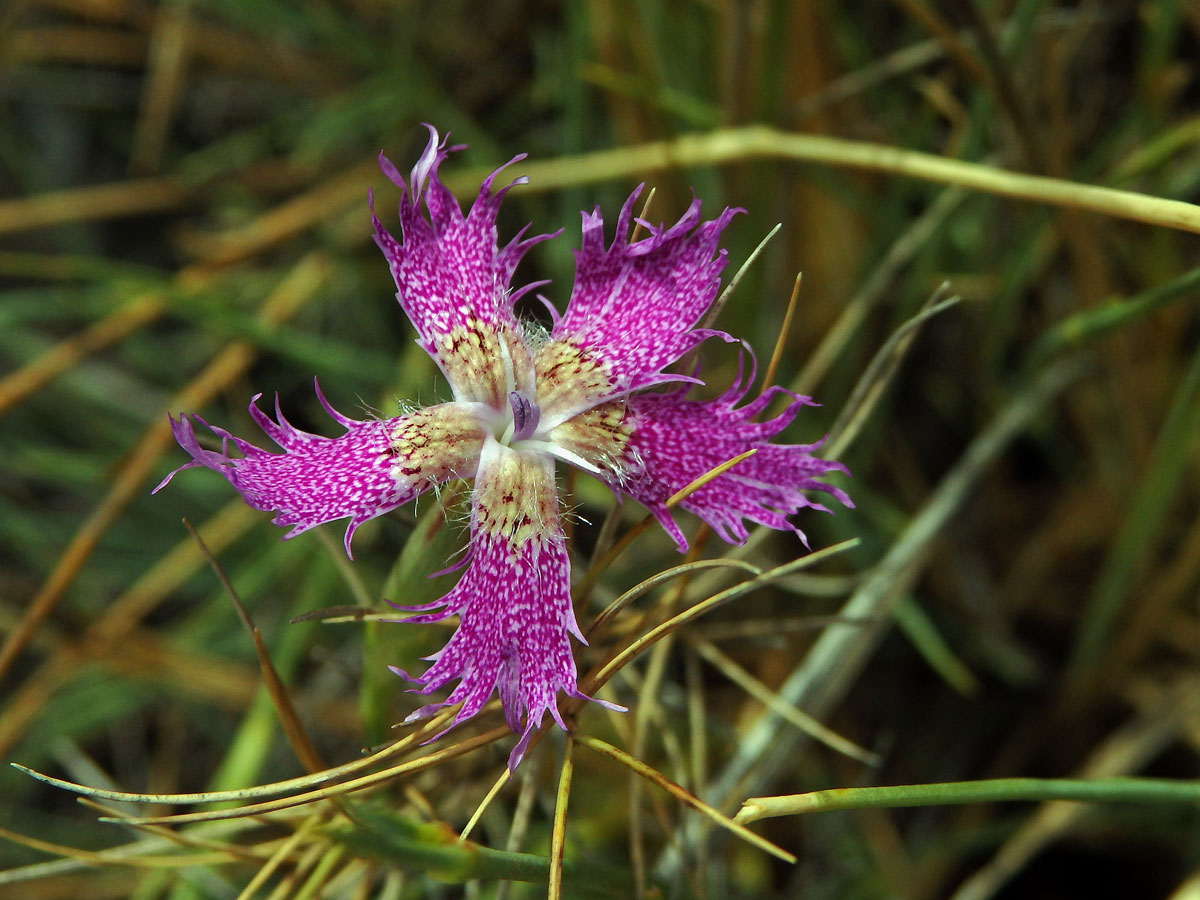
(759,141)
(1089,790)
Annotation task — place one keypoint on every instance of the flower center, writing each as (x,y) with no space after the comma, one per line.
(526,415)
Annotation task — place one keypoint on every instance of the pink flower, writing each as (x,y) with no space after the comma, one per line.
(523,399)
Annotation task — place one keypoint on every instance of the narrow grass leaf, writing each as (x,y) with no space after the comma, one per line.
(988,790)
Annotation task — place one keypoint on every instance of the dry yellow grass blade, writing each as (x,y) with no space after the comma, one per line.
(878,375)
(227,838)
(491,795)
(289,219)
(375,779)
(68,352)
(558,833)
(650,718)
(96,46)
(289,887)
(781,339)
(238,846)
(802,720)
(666,575)
(293,729)
(239,795)
(600,676)
(762,142)
(119,620)
(296,289)
(714,311)
(686,797)
(722,146)
(586,583)
(874,289)
(323,861)
(104,859)
(37,373)
(282,853)
(138,197)
(162,86)
(636,235)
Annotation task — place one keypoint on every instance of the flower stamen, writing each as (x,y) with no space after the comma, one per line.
(525,418)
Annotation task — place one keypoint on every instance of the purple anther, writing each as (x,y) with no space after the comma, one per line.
(526,415)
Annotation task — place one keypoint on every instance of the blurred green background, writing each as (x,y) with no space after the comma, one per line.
(184,224)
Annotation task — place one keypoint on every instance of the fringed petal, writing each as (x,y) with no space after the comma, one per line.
(634,306)
(376,466)
(454,281)
(513,601)
(672,441)
(633,311)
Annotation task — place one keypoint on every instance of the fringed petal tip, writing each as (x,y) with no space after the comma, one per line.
(184,431)
(674,441)
(396,670)
(357,476)
(657,234)
(513,602)
(184,434)
(431,157)
(635,306)
(424,176)
(533,724)
(661,233)
(452,276)
(533,718)
(607,704)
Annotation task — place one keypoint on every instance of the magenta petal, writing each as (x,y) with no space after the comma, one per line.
(452,278)
(513,600)
(635,305)
(515,618)
(376,466)
(521,399)
(674,441)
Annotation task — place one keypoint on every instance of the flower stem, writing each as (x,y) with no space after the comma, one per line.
(992,790)
(558,835)
(762,142)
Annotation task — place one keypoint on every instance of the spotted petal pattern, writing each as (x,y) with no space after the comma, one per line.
(520,404)
(453,282)
(513,601)
(635,305)
(376,466)
(673,441)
